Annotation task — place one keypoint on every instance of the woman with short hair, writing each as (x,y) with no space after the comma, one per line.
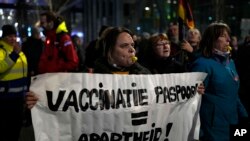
(220,106)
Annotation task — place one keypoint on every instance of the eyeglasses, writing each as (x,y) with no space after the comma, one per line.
(162,44)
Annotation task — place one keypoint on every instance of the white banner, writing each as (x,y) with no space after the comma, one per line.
(107,107)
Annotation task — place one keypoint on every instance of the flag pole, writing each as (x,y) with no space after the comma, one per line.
(180,21)
(181,28)
(185,17)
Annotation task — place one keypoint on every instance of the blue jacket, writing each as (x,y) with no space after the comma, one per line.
(220,106)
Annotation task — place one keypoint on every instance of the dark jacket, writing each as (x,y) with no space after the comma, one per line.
(33,49)
(165,66)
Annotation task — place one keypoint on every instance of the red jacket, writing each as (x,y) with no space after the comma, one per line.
(58,57)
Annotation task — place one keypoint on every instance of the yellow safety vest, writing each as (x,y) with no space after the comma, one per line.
(9,69)
(13,74)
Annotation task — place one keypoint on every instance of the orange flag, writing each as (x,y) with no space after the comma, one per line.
(185,13)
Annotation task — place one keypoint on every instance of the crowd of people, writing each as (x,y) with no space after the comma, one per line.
(115,51)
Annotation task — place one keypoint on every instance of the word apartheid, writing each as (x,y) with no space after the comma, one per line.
(151,135)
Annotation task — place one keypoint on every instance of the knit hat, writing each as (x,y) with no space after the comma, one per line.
(8,30)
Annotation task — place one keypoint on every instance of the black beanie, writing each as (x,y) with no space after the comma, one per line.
(8,30)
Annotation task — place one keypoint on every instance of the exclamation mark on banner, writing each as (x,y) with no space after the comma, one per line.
(169,126)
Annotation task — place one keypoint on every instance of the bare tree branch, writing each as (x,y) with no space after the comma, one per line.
(64,7)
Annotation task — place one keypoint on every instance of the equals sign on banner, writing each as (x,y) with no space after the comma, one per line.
(139,118)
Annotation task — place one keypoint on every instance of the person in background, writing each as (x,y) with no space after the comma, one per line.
(33,48)
(137,41)
(193,38)
(92,50)
(190,46)
(220,105)
(244,69)
(59,54)
(160,61)
(173,35)
(119,54)
(78,43)
(142,47)
(177,52)
(13,84)
(234,45)
(158,56)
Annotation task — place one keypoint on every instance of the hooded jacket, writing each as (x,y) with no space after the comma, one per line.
(59,55)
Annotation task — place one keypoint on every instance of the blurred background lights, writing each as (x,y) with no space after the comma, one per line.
(138,28)
(147,8)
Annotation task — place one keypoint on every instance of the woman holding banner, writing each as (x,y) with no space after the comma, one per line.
(220,106)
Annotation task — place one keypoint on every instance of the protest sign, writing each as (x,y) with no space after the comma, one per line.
(107,107)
